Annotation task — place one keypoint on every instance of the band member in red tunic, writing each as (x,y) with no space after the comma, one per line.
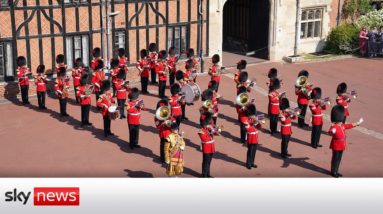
(243,81)
(77,72)
(183,79)
(85,99)
(213,85)
(274,98)
(134,107)
(114,64)
(22,74)
(41,88)
(162,72)
(96,53)
(60,60)
(163,126)
(241,66)
(338,141)
(241,111)
(273,73)
(207,104)
(98,76)
(303,94)
(206,135)
(62,89)
(343,99)
(194,69)
(251,125)
(285,117)
(122,87)
(153,56)
(172,65)
(175,103)
(104,102)
(143,67)
(123,60)
(316,108)
(214,71)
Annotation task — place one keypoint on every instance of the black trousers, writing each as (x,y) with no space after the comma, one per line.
(144,84)
(172,77)
(106,125)
(121,106)
(243,133)
(206,161)
(178,120)
(273,123)
(75,94)
(133,134)
(41,99)
(183,108)
(315,135)
(214,120)
(85,114)
(344,120)
(161,88)
(153,75)
(251,151)
(285,144)
(97,97)
(24,93)
(162,149)
(301,118)
(335,161)
(63,106)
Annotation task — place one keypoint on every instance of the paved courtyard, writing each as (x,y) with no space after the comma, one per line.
(36,143)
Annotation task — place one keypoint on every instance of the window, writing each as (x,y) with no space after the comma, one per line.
(77,47)
(311,23)
(177,37)
(4,3)
(75,1)
(6,65)
(119,40)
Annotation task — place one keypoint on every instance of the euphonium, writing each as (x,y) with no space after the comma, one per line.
(242,99)
(207,104)
(163,113)
(301,81)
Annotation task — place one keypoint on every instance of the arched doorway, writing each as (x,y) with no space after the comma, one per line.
(246,27)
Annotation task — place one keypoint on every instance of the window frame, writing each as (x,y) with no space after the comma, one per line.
(6,5)
(7,60)
(116,44)
(306,21)
(73,50)
(171,38)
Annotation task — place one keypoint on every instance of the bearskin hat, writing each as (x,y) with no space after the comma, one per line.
(134,93)
(62,72)
(190,52)
(84,79)
(205,119)
(174,126)
(273,73)
(152,47)
(179,75)
(243,76)
(40,69)
(316,93)
(241,64)
(96,52)
(105,86)
(342,88)
(60,59)
(189,64)
(213,85)
(121,52)
(337,114)
(21,61)
(242,89)
(162,102)
(114,63)
(162,55)
(284,104)
(143,53)
(207,95)
(78,63)
(250,110)
(121,73)
(172,51)
(175,89)
(215,59)
(275,84)
(100,64)
(303,73)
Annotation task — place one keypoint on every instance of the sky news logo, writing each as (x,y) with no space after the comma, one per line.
(46,196)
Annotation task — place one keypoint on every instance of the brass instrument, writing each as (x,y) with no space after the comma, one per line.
(89,90)
(242,99)
(281,95)
(139,104)
(261,118)
(325,101)
(207,104)
(163,113)
(352,94)
(216,130)
(303,84)
(293,112)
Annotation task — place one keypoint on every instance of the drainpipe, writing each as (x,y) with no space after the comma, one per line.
(297,28)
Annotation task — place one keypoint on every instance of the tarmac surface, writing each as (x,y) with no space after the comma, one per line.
(36,143)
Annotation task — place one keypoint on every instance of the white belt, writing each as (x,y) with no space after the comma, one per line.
(134,114)
(252,133)
(275,104)
(176,107)
(345,106)
(121,90)
(317,115)
(77,77)
(40,83)
(209,142)
(285,125)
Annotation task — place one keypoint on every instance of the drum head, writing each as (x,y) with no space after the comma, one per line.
(189,93)
(112,109)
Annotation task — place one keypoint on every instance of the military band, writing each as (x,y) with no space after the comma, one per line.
(162,72)
(143,67)
(62,90)
(23,74)
(83,92)
(174,151)
(134,107)
(41,88)
(316,108)
(77,72)
(274,99)
(303,91)
(251,125)
(104,102)
(285,117)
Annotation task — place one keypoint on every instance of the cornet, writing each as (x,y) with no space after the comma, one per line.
(216,130)
(293,112)
(352,94)
(139,104)
(325,101)
(260,118)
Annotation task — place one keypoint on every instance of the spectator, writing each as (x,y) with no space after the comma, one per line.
(363,41)
(372,42)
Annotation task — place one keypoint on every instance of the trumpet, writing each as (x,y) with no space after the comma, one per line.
(139,104)
(293,112)
(216,130)
(352,94)
(260,118)
(251,83)
(325,101)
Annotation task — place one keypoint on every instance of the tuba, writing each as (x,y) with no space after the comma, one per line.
(163,113)
(302,83)
(242,99)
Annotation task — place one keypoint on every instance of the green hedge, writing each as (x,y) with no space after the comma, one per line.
(343,39)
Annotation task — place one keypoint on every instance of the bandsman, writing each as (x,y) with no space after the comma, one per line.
(285,117)
(343,99)
(214,71)
(273,109)
(174,152)
(153,57)
(114,63)
(172,65)
(213,85)
(303,96)
(191,56)
(122,59)
(241,111)
(143,67)
(175,103)
(241,66)
(316,108)
(84,95)
(206,135)
(77,73)
(41,88)
(162,72)
(104,102)
(122,87)
(272,74)
(98,76)
(163,123)
(60,60)
(134,107)
(96,53)
(62,90)
(243,81)
(23,73)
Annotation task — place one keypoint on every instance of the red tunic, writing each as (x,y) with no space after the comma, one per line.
(153,56)
(40,82)
(143,65)
(114,74)
(214,101)
(207,141)
(60,66)
(274,102)
(134,113)
(302,99)
(97,78)
(240,112)
(338,133)
(213,71)
(93,64)
(86,100)
(59,88)
(316,110)
(76,75)
(172,61)
(175,106)
(22,75)
(164,130)
(251,130)
(286,123)
(160,70)
(121,89)
(104,102)
(344,102)
(123,62)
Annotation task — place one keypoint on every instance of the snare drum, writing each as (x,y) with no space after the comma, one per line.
(113,112)
(192,92)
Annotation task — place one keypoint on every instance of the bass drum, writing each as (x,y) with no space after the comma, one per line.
(192,92)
